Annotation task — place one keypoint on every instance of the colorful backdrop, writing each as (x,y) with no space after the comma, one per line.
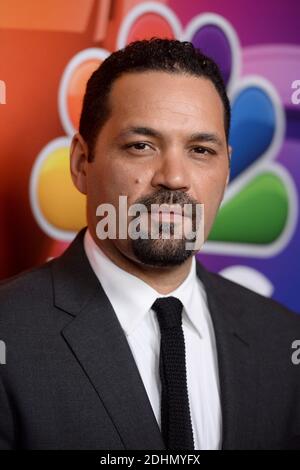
(47,52)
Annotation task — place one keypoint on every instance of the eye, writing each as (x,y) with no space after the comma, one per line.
(203,150)
(139,149)
(139,146)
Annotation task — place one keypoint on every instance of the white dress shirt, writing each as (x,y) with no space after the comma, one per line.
(132,299)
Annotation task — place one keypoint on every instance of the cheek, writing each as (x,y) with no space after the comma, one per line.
(209,184)
(108,182)
(126,183)
(209,191)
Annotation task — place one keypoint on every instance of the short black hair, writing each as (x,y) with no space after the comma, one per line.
(156,54)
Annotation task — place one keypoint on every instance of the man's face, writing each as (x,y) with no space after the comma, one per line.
(164,142)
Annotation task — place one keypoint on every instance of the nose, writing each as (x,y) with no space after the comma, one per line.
(171,171)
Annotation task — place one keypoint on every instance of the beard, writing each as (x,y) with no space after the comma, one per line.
(161,252)
(165,250)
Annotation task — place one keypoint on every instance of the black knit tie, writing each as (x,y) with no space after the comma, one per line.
(176,426)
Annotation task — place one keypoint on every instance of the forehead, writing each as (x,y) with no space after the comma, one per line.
(166,99)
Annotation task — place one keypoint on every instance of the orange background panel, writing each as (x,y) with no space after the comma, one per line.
(46,15)
(149,25)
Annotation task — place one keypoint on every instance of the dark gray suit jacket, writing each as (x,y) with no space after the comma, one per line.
(70,380)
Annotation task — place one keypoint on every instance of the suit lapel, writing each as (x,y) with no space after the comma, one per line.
(237,363)
(99,344)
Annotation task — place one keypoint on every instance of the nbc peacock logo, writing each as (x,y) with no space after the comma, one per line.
(258,214)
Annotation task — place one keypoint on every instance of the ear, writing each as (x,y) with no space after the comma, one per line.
(78,162)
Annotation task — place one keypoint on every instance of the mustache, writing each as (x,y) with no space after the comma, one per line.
(165,196)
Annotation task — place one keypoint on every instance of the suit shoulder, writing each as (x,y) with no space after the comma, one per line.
(257,306)
(25,287)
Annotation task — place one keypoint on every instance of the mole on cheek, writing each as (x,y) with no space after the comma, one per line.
(137,180)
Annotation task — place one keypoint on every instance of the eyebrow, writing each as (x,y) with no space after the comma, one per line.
(148,131)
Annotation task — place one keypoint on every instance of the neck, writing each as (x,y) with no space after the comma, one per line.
(163,279)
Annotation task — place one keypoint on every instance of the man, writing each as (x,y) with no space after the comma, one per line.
(128,342)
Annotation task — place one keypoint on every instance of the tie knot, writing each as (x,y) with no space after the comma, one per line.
(169,312)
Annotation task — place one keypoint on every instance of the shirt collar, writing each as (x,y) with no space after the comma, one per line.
(131,297)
